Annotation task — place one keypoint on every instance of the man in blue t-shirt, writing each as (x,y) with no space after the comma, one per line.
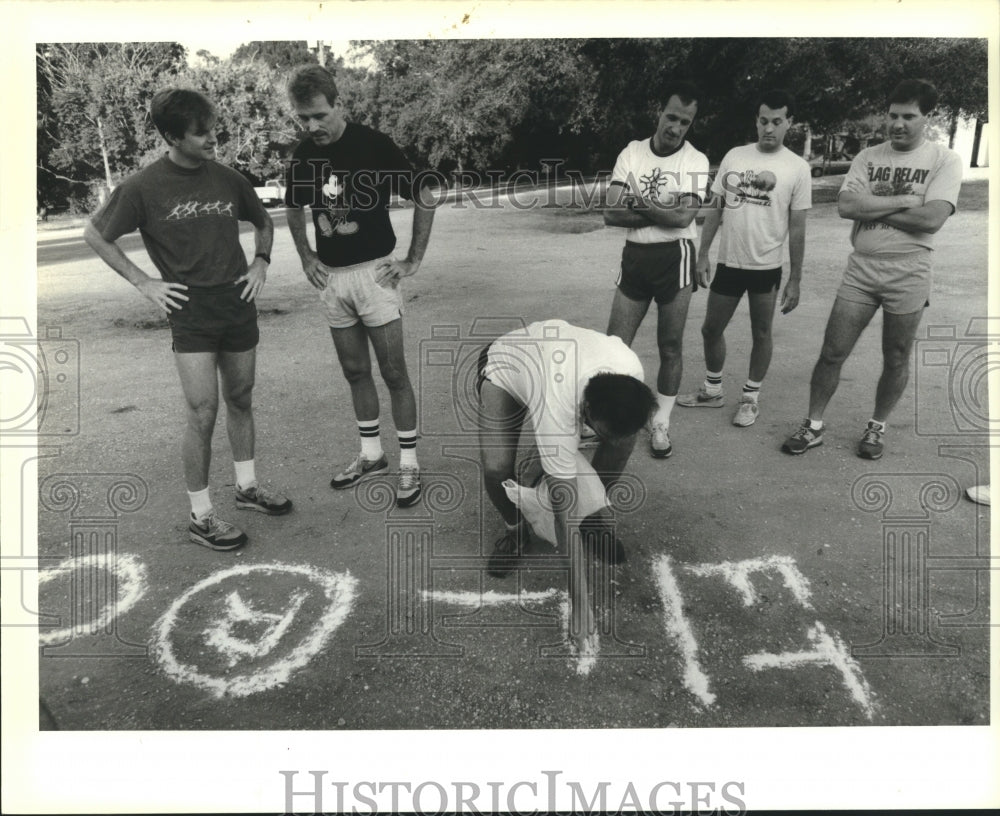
(345,173)
(187,207)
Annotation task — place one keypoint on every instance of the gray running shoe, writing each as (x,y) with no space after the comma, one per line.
(746,413)
(214,533)
(702,399)
(803,439)
(359,469)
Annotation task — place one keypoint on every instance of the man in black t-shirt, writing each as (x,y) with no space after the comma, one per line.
(346,173)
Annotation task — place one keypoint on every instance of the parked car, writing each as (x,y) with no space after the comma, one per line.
(272,194)
(834,167)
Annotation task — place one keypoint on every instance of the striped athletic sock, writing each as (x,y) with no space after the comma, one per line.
(407,448)
(371,442)
(751,389)
(713,382)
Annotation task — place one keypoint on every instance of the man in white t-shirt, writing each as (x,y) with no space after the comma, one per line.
(898,194)
(760,196)
(557,377)
(655,191)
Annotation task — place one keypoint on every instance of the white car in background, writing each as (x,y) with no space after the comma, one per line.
(272,194)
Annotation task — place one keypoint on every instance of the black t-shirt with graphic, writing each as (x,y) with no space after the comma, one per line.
(348,184)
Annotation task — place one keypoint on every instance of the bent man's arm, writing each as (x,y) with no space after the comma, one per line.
(563,493)
(423,219)
(713,220)
(929,217)
(167,296)
(677,211)
(296,218)
(617,213)
(868,207)
(256,274)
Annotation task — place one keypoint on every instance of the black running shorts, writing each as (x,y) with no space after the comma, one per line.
(734,282)
(214,319)
(657,271)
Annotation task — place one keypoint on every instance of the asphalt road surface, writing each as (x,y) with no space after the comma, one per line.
(760,589)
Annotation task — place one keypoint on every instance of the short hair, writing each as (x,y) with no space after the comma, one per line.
(684,90)
(175,110)
(311,80)
(777,98)
(621,402)
(915,90)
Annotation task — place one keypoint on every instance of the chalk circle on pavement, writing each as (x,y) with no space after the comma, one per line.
(123,572)
(249,628)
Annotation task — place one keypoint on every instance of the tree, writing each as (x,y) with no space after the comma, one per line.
(277,54)
(92,107)
(255,128)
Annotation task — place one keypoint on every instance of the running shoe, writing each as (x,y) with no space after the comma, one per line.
(803,439)
(659,442)
(214,533)
(746,413)
(506,553)
(358,470)
(263,501)
(408,486)
(980,494)
(702,399)
(870,446)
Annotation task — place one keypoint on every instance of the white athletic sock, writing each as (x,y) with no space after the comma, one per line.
(816,424)
(246,476)
(201,503)
(713,382)
(751,389)
(407,448)
(664,405)
(879,426)
(371,442)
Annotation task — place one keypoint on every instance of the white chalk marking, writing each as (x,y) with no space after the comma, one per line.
(695,680)
(829,651)
(130,578)
(586,659)
(738,574)
(490,598)
(239,611)
(338,588)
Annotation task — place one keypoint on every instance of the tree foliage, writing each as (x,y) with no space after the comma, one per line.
(484,104)
(93,100)
(277,54)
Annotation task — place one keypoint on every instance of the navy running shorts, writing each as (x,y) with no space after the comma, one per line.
(733,282)
(214,319)
(657,271)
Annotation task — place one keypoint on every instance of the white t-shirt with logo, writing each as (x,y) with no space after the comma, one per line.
(545,366)
(929,170)
(645,174)
(759,189)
